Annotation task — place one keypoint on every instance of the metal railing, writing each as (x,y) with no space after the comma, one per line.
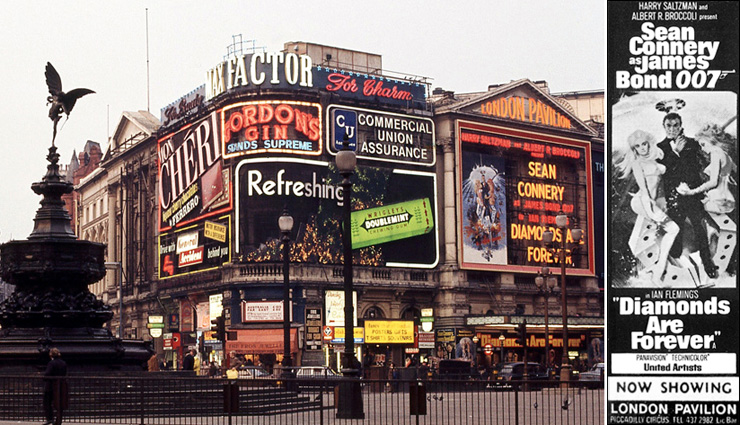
(163,399)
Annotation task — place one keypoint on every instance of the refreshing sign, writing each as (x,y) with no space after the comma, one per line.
(311,190)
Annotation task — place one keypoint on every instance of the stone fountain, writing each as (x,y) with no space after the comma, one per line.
(52,305)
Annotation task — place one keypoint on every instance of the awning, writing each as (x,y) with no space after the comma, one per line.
(261,341)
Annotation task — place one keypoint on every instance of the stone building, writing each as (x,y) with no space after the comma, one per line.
(451,194)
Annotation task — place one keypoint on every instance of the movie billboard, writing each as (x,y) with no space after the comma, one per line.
(672,299)
(193,181)
(512,185)
(394,212)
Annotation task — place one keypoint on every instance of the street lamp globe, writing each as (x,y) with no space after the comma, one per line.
(561,220)
(577,233)
(346,161)
(285,222)
(548,236)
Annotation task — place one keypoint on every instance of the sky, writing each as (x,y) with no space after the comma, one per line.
(463,46)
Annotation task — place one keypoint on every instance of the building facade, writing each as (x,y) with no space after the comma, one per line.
(451,195)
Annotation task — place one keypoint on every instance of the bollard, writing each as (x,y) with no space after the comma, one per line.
(418,399)
(231,397)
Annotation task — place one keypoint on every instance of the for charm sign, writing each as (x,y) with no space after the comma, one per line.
(376,88)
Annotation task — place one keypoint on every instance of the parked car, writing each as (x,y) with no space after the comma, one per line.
(595,376)
(454,369)
(315,377)
(258,376)
(511,375)
(253,372)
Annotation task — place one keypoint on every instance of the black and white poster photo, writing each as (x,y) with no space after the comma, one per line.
(674,190)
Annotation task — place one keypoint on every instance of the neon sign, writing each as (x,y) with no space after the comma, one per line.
(271,126)
(513,184)
(525,109)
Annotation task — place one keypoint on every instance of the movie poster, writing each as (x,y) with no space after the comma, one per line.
(672,320)
(484,208)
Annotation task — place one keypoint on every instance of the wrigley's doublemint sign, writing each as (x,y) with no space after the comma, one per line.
(391,222)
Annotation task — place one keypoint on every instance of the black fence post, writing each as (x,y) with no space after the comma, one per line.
(516,405)
(417,399)
(141,400)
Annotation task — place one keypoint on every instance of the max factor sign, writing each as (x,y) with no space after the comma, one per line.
(266,70)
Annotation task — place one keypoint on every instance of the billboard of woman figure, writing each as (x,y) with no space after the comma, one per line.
(484,209)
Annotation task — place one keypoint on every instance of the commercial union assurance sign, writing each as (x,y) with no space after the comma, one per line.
(382,136)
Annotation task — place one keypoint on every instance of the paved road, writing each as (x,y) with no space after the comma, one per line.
(549,406)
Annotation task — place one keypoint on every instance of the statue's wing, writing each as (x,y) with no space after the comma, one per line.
(70,98)
(53,80)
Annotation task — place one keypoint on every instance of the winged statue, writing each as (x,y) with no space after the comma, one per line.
(60,101)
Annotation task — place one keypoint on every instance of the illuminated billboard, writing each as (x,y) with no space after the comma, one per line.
(382,136)
(389,331)
(193,182)
(271,126)
(310,191)
(368,87)
(196,248)
(511,185)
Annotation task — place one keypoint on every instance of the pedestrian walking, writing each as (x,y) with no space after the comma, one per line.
(55,388)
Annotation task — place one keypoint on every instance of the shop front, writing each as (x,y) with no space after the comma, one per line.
(390,341)
(262,346)
(498,340)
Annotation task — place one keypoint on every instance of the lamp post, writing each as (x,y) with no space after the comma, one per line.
(561,221)
(285,223)
(546,282)
(501,340)
(119,266)
(350,397)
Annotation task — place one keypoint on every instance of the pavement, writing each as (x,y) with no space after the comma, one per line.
(545,407)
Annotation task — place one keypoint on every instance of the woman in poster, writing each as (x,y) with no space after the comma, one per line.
(641,162)
(718,197)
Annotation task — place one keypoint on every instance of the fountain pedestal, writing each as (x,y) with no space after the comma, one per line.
(52,305)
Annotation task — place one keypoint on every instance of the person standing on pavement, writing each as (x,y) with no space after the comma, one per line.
(188,362)
(196,363)
(54,387)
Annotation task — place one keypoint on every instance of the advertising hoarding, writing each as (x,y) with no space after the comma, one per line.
(334,307)
(374,88)
(271,126)
(262,311)
(672,293)
(382,136)
(311,193)
(193,183)
(512,184)
(389,332)
(260,70)
(194,249)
